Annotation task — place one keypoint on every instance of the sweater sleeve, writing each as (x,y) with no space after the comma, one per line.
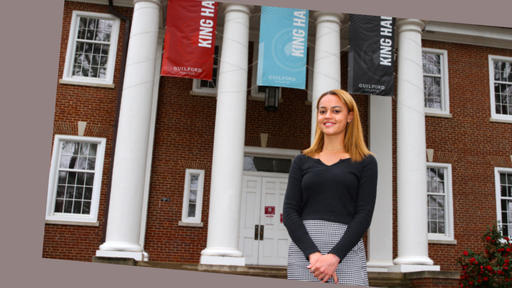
(292,210)
(364,210)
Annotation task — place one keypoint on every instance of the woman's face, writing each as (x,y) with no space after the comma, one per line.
(332,115)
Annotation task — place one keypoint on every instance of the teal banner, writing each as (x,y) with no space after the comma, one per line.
(282,51)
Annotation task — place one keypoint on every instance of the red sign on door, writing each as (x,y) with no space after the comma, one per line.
(270,211)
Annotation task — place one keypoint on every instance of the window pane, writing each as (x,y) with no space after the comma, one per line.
(70,191)
(87,193)
(192,196)
(91,162)
(62,177)
(191,210)
(60,191)
(68,206)
(79,192)
(89,179)
(267,164)
(86,207)
(431,63)
(77,207)
(71,178)
(59,206)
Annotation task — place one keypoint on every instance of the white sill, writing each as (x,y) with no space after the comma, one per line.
(189,224)
(438,114)
(203,93)
(77,223)
(446,242)
(497,120)
(83,83)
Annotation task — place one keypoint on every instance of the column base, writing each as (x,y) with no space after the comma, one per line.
(139,256)
(413,268)
(120,246)
(222,260)
(413,260)
(378,266)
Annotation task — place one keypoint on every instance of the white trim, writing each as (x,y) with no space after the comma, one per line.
(448,236)
(271,152)
(79,83)
(444,242)
(497,182)
(486,36)
(67,78)
(496,117)
(445,90)
(199,197)
(69,218)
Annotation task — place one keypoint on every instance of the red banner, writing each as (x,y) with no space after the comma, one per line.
(189,44)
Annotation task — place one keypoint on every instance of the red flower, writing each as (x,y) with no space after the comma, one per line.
(489,267)
(506,238)
(466,253)
(485,278)
(488,238)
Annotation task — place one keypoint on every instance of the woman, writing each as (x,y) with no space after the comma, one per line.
(330,197)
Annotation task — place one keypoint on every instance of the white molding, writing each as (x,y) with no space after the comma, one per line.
(187,224)
(444,242)
(79,83)
(445,89)
(497,171)
(72,223)
(495,120)
(222,260)
(449,224)
(438,114)
(468,34)
(70,218)
(108,82)
(494,116)
(199,197)
(271,152)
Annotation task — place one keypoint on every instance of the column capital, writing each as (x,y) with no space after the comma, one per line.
(415,25)
(321,16)
(228,7)
(157,2)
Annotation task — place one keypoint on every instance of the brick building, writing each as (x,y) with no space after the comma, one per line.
(195,166)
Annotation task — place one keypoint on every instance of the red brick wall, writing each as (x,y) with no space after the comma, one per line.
(96,106)
(472,144)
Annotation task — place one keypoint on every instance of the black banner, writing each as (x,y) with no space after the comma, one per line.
(371,58)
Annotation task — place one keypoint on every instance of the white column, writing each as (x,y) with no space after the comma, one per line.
(327,66)
(411,159)
(128,179)
(228,143)
(380,233)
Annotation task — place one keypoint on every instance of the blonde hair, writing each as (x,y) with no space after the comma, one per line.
(354,141)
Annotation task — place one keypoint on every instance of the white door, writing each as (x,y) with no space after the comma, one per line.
(263,237)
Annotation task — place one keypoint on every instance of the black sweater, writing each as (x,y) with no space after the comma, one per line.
(343,192)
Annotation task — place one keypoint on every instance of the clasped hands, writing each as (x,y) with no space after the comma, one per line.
(323,266)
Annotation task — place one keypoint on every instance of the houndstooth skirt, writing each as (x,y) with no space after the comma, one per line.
(325,234)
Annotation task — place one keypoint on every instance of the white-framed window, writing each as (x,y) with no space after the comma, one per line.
(439,201)
(503,184)
(91,51)
(208,87)
(75,180)
(257,92)
(500,80)
(192,197)
(435,81)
